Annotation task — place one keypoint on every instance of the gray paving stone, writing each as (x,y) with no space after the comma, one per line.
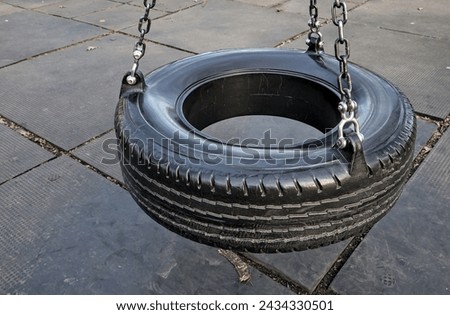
(306,268)
(408,251)
(171,5)
(72,9)
(418,65)
(102,154)
(264,3)
(41,34)
(70,231)
(428,18)
(225,24)
(302,7)
(6,9)
(31,4)
(425,130)
(69,96)
(117,17)
(18,154)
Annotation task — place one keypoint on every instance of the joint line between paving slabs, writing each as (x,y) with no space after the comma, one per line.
(167,13)
(278,4)
(442,127)
(435,119)
(56,49)
(409,33)
(27,134)
(109,32)
(173,47)
(54,149)
(323,287)
(28,170)
(90,140)
(157,43)
(275,276)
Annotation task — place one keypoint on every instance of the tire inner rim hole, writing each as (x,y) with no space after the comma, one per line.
(255,109)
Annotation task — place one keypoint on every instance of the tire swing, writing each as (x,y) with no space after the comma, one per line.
(257,198)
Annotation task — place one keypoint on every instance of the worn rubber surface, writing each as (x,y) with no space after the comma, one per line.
(252,198)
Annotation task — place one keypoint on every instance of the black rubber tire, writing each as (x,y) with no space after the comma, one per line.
(261,205)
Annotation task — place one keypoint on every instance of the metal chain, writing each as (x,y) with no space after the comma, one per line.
(139,48)
(347,106)
(315,38)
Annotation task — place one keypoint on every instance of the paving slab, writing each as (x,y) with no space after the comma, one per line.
(117,17)
(265,3)
(18,154)
(6,9)
(427,18)
(225,24)
(71,231)
(31,4)
(102,154)
(42,33)
(306,268)
(69,96)
(425,130)
(72,9)
(418,65)
(302,7)
(170,5)
(408,251)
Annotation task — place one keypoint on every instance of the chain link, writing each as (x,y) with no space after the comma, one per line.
(347,106)
(139,48)
(315,38)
